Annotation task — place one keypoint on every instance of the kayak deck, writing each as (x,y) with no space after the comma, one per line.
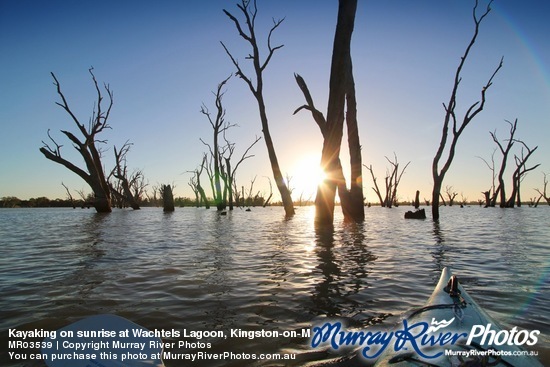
(449,313)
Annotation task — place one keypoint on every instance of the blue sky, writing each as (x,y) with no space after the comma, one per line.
(163,59)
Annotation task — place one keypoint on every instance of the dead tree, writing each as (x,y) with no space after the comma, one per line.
(93,172)
(198,173)
(249,11)
(519,174)
(492,191)
(249,201)
(153,198)
(452,119)
(193,184)
(392,180)
(87,199)
(138,185)
(223,156)
(219,126)
(376,188)
(463,199)
(505,151)
(266,203)
(542,194)
(451,194)
(69,195)
(341,95)
(231,169)
(120,172)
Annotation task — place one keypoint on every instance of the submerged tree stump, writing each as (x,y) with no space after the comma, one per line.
(167,198)
(419,214)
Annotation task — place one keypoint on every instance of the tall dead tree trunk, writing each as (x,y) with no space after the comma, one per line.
(451,118)
(339,85)
(93,174)
(355,208)
(341,94)
(256,88)
(199,186)
(501,189)
(519,173)
(542,193)
(219,126)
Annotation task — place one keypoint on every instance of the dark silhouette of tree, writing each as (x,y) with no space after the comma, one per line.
(219,168)
(451,194)
(392,180)
(219,126)
(452,119)
(266,203)
(198,173)
(542,193)
(69,196)
(231,169)
(341,95)
(505,151)
(129,188)
(492,191)
(249,11)
(518,174)
(193,184)
(167,198)
(93,172)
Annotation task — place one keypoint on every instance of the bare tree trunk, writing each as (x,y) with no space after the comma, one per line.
(341,91)
(519,173)
(542,193)
(417,200)
(121,174)
(505,151)
(339,85)
(199,186)
(69,195)
(249,13)
(219,126)
(487,198)
(277,174)
(450,117)
(376,188)
(355,207)
(266,203)
(94,174)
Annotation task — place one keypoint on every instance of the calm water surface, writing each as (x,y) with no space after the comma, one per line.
(194,269)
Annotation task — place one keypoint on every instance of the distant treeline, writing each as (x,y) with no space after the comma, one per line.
(44,202)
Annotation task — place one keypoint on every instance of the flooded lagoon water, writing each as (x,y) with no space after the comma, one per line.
(197,270)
